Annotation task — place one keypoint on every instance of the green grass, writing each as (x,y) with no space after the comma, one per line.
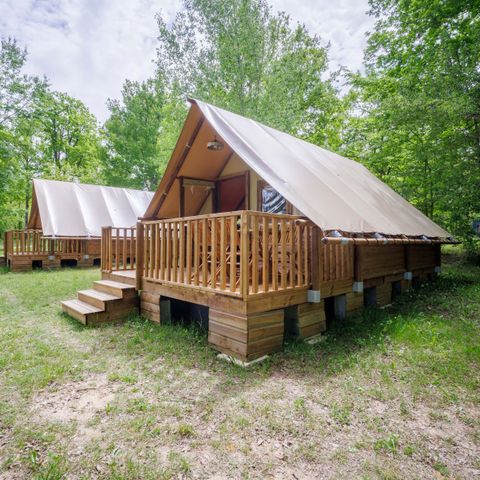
(390,393)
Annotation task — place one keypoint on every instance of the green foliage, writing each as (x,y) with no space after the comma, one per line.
(416,120)
(42,134)
(136,132)
(241,56)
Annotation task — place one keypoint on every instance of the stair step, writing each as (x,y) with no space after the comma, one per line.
(114,288)
(97,298)
(80,310)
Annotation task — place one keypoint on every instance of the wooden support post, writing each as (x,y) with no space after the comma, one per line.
(181,202)
(358,254)
(139,254)
(438,257)
(315,259)
(408,263)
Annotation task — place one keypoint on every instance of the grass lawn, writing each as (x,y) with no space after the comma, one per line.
(390,394)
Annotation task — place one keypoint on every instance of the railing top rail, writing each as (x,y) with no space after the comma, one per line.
(24,230)
(226,214)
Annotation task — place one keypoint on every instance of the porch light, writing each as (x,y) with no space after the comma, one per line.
(215,144)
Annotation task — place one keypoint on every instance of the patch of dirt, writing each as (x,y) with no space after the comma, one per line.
(77,402)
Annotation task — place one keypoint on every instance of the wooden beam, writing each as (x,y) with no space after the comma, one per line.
(197,182)
(179,164)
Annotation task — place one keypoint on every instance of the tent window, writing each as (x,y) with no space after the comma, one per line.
(270,201)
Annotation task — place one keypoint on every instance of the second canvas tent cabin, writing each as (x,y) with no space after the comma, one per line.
(65,223)
(269,232)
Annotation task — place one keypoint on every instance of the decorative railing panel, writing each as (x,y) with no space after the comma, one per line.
(118,248)
(237,253)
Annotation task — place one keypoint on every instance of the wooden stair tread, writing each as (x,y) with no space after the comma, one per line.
(99,295)
(81,307)
(113,284)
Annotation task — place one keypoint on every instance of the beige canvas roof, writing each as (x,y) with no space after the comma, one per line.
(67,209)
(332,191)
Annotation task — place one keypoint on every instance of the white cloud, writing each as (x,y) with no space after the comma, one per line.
(87,48)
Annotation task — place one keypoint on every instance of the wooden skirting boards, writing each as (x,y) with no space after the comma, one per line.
(247,336)
(26,263)
(306,320)
(354,302)
(155,308)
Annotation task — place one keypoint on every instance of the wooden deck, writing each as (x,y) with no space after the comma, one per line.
(255,272)
(25,248)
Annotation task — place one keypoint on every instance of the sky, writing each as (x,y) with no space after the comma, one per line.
(87,48)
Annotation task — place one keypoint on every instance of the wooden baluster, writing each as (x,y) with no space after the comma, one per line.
(196,254)
(115,234)
(299,228)
(244,255)
(175,230)
(161,251)
(309,253)
(168,248)
(181,265)
(131,249)
(204,252)
(22,241)
(255,247)
(233,253)
(146,250)
(213,261)
(275,265)
(291,247)
(188,280)
(283,239)
(156,227)
(152,251)
(223,255)
(265,259)
(124,250)
(139,255)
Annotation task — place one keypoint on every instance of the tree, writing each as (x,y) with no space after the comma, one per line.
(132,133)
(417,109)
(19,97)
(69,140)
(239,55)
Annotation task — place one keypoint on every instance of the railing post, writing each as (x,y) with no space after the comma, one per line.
(139,253)
(103,250)
(244,280)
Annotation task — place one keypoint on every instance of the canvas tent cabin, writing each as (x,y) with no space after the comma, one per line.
(270,233)
(65,223)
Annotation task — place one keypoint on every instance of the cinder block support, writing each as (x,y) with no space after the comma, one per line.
(246,336)
(397,288)
(155,308)
(384,294)
(370,296)
(340,305)
(305,320)
(51,263)
(354,302)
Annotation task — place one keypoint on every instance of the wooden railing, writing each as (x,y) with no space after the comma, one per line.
(237,253)
(32,242)
(118,248)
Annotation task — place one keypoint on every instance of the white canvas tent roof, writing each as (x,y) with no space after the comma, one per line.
(332,191)
(66,209)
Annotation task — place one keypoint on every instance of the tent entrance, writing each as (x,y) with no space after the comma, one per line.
(231,193)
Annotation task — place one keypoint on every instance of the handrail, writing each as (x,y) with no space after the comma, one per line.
(118,248)
(236,253)
(33,242)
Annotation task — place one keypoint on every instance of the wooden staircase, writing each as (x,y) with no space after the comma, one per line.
(107,301)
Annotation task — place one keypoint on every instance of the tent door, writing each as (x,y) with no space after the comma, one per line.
(231,193)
